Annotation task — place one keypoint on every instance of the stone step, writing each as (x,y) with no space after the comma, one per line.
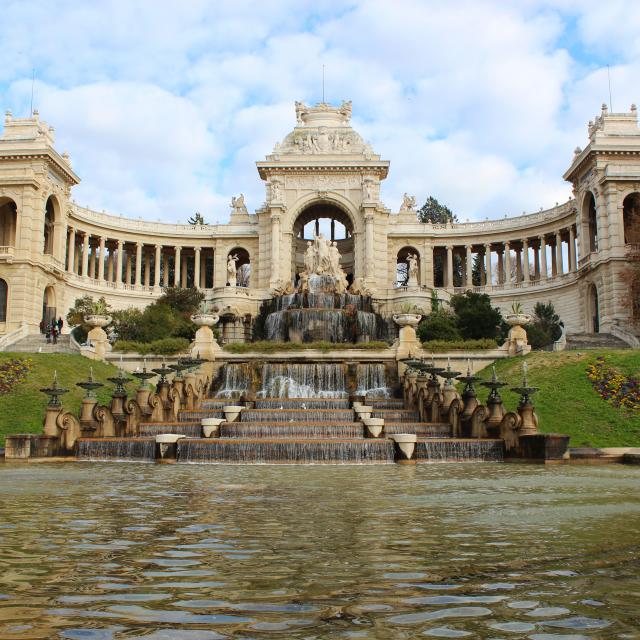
(581,341)
(37,343)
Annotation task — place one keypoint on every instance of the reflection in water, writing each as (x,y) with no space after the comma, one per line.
(105,551)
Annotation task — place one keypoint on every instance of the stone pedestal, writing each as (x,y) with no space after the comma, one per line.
(408,343)
(204,344)
(97,336)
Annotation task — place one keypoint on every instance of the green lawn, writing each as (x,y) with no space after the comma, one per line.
(566,402)
(22,410)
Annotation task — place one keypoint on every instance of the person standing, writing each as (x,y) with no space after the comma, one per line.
(60,324)
(42,327)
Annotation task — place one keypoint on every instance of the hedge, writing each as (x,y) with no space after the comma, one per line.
(164,347)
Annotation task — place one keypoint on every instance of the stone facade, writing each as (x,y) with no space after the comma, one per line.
(321,177)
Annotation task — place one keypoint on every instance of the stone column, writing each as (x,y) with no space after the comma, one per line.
(183,272)
(85,255)
(176,267)
(449,282)
(500,253)
(165,270)
(469,266)
(110,266)
(536,262)
(559,267)
(92,263)
(368,246)
(119,257)
(76,261)
(543,258)
(127,277)
(156,267)
(487,258)
(507,263)
(147,269)
(525,258)
(71,253)
(572,249)
(196,267)
(519,264)
(138,264)
(101,253)
(275,249)
(203,270)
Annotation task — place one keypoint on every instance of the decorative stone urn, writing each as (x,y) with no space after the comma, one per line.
(405,444)
(204,344)
(516,342)
(211,427)
(166,446)
(408,341)
(374,426)
(232,412)
(97,335)
(364,412)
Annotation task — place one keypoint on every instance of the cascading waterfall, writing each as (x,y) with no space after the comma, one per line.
(293,380)
(372,380)
(460,451)
(306,403)
(236,380)
(321,315)
(286,452)
(188,429)
(116,449)
(297,415)
(291,430)
(190,416)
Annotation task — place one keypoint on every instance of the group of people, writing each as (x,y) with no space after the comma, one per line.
(52,330)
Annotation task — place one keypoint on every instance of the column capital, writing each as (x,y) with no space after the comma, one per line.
(103,241)
(139,244)
(543,237)
(487,245)
(449,247)
(197,249)
(525,242)
(507,244)
(120,244)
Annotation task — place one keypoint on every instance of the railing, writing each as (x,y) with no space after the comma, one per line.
(17,334)
(6,251)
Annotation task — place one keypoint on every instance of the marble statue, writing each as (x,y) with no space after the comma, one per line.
(334,259)
(412,267)
(237,205)
(232,270)
(310,258)
(275,191)
(322,251)
(408,203)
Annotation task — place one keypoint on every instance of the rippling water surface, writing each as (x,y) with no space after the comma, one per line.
(99,551)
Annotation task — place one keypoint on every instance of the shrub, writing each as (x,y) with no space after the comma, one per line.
(267,346)
(439,325)
(82,307)
(163,347)
(467,345)
(476,318)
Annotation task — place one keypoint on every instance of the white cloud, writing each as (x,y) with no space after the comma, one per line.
(165,111)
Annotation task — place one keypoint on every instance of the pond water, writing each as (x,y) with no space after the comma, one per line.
(125,550)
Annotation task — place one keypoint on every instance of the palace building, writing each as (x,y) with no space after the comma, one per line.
(322,178)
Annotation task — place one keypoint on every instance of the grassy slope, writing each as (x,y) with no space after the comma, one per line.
(22,410)
(566,402)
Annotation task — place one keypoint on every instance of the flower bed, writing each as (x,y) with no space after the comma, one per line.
(613,386)
(12,373)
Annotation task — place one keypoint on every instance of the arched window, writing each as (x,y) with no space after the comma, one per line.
(49,220)
(4,293)
(243,266)
(8,218)
(408,267)
(631,215)
(590,220)
(333,224)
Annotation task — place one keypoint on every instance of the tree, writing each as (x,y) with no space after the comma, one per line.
(196,219)
(476,318)
(546,326)
(183,299)
(438,325)
(435,213)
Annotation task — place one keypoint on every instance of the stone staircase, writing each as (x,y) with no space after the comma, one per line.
(580,341)
(37,343)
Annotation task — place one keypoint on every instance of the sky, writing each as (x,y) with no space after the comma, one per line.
(165,106)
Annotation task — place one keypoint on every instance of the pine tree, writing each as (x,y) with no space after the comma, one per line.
(435,213)
(196,219)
